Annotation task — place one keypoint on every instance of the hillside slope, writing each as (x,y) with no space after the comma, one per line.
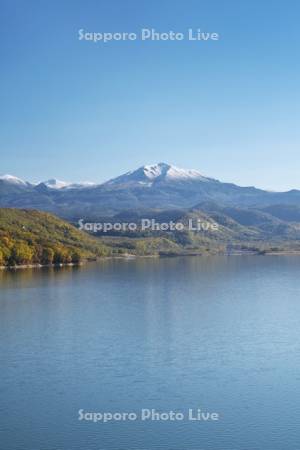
(34,237)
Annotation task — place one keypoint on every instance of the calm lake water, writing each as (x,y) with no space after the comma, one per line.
(220,334)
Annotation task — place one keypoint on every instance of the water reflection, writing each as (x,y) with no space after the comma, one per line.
(221,333)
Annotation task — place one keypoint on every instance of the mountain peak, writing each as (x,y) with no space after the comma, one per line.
(155,170)
(12,179)
(151,173)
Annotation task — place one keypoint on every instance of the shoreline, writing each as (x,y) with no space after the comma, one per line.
(132,256)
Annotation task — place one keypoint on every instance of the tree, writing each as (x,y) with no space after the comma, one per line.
(62,256)
(21,254)
(76,257)
(2,259)
(47,255)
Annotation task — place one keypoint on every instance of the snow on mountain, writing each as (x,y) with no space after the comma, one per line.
(145,175)
(58,184)
(149,187)
(174,173)
(12,179)
(148,174)
(155,170)
(83,184)
(55,184)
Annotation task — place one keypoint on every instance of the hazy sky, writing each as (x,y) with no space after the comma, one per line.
(79,110)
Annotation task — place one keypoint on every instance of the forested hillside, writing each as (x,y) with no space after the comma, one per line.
(33,237)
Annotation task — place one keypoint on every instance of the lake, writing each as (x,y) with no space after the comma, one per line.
(220,334)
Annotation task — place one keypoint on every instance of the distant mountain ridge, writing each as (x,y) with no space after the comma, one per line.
(148,173)
(161,186)
(52,183)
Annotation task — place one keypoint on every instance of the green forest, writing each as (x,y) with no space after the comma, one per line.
(31,237)
(34,237)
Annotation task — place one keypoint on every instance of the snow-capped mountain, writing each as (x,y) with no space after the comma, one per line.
(53,183)
(150,174)
(12,180)
(145,175)
(156,186)
(58,184)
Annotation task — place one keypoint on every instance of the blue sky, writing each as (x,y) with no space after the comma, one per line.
(80,111)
